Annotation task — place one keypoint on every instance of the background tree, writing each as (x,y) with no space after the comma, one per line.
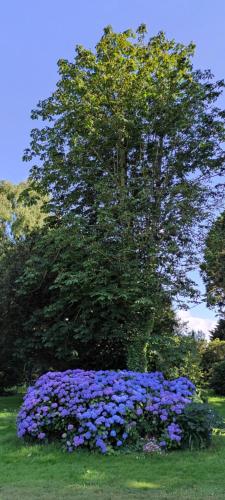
(20,210)
(176,355)
(131,143)
(217,378)
(219,331)
(12,314)
(213,353)
(20,217)
(213,267)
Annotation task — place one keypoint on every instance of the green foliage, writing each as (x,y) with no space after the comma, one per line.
(137,356)
(137,352)
(20,210)
(124,161)
(19,219)
(133,142)
(83,309)
(176,355)
(212,353)
(12,313)
(197,422)
(217,379)
(219,330)
(213,268)
(130,142)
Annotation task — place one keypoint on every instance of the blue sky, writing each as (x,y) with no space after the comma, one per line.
(35,34)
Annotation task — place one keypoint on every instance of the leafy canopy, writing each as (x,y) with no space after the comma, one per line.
(130,144)
(131,140)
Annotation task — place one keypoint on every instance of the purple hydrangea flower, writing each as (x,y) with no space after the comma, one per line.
(103,405)
(41,435)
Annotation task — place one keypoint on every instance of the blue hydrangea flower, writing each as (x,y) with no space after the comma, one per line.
(102,405)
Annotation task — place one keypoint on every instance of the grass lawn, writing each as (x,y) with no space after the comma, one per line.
(39,472)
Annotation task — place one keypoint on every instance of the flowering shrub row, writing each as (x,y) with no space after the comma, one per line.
(104,409)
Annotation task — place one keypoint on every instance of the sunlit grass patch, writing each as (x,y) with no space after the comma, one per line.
(142,485)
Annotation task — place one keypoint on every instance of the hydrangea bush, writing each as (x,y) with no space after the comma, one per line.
(104,409)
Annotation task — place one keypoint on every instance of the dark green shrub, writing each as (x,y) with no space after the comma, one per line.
(217,380)
(9,376)
(197,422)
(213,353)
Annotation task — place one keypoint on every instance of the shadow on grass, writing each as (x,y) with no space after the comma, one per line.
(10,403)
(218,403)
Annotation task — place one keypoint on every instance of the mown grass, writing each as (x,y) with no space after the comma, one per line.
(45,472)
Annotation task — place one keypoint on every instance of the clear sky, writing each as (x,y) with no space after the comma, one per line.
(35,34)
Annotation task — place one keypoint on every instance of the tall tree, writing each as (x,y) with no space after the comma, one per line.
(131,143)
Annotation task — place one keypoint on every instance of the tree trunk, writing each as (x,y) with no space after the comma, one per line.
(137,358)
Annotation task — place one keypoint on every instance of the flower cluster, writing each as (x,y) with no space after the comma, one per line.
(104,409)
